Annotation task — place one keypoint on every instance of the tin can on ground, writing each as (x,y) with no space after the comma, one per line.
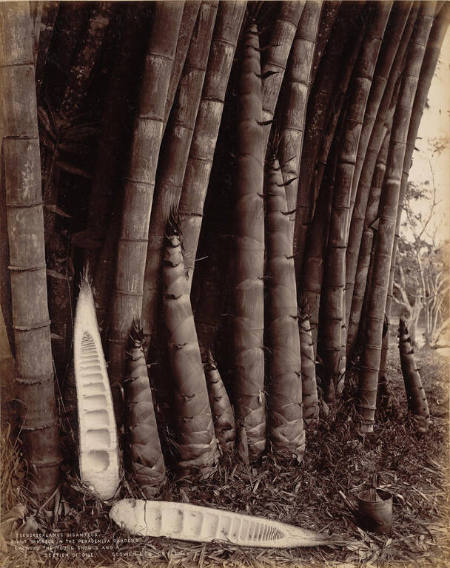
(375,511)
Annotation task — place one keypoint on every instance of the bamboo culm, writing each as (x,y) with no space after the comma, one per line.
(334,277)
(297,90)
(277,54)
(21,176)
(386,229)
(198,169)
(248,289)
(286,431)
(139,187)
(174,158)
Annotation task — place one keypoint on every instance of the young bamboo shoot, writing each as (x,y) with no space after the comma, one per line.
(415,394)
(196,443)
(144,448)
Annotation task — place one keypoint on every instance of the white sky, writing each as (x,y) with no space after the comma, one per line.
(436,124)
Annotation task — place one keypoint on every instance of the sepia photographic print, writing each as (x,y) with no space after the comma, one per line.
(224,283)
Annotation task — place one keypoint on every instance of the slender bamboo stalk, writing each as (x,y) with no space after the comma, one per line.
(188,22)
(388,214)
(277,54)
(357,224)
(312,274)
(21,180)
(286,431)
(248,290)
(139,186)
(198,169)
(391,42)
(328,17)
(334,276)
(196,442)
(361,277)
(345,32)
(415,394)
(297,92)
(174,158)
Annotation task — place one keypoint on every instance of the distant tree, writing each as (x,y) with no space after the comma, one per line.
(421,283)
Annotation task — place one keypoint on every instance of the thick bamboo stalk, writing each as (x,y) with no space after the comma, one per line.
(198,169)
(21,181)
(276,57)
(139,186)
(357,224)
(345,31)
(194,429)
(248,289)
(285,419)
(174,158)
(297,92)
(415,394)
(143,447)
(388,214)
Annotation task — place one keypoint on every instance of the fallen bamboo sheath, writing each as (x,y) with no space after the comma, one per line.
(184,521)
(98,446)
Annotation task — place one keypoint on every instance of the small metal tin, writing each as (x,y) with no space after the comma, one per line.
(375,515)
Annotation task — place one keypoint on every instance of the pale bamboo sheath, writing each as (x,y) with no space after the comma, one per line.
(21,185)
(388,214)
(139,186)
(196,178)
(286,431)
